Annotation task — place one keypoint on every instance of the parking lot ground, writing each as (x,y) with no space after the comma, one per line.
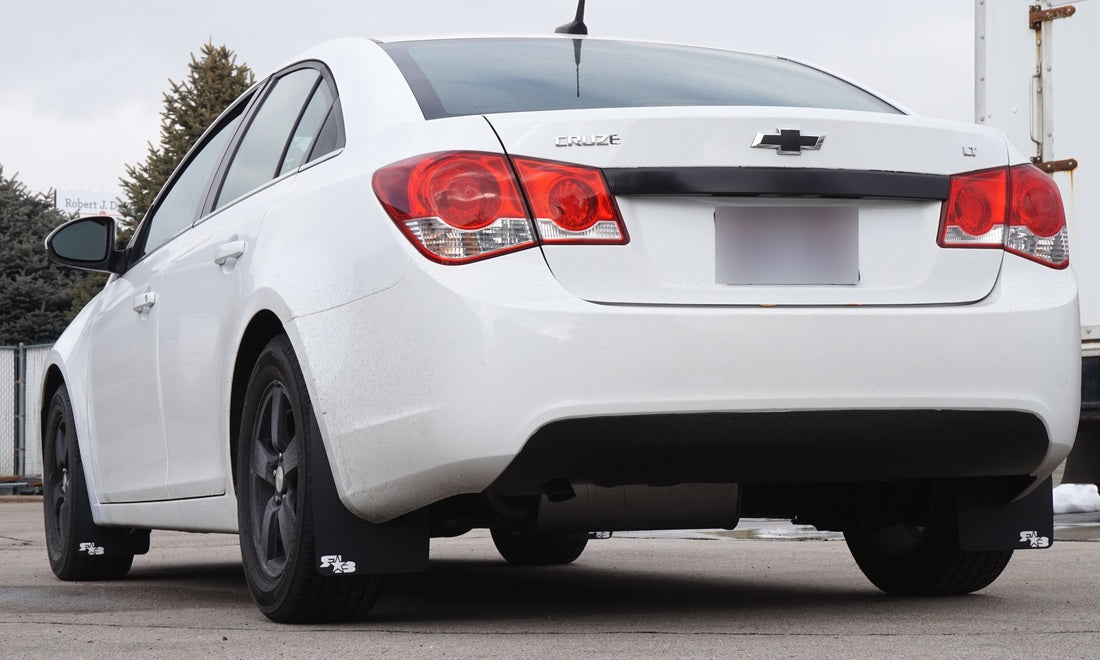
(676,595)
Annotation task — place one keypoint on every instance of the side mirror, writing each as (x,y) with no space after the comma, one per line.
(86,243)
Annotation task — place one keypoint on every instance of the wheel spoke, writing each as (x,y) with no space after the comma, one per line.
(292,457)
(59,457)
(57,493)
(287,525)
(269,531)
(263,462)
(63,511)
(278,419)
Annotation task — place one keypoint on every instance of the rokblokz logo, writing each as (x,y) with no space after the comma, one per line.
(90,548)
(1033,539)
(337,564)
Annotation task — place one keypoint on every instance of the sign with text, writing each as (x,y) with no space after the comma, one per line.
(87,202)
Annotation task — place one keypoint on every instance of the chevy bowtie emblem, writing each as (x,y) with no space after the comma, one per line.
(788,141)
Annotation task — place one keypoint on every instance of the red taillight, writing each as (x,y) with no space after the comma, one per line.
(458,207)
(1018,209)
(974,213)
(1037,221)
(571,203)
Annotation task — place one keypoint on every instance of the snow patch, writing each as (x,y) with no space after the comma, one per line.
(1076,498)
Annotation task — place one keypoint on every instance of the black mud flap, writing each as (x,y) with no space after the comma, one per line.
(1024,524)
(1083,463)
(348,545)
(91,539)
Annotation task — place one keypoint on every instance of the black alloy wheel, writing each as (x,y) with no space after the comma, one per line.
(923,557)
(274,502)
(273,480)
(65,503)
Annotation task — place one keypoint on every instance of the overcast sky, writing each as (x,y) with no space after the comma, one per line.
(82,81)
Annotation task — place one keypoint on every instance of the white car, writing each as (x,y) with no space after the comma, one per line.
(559,285)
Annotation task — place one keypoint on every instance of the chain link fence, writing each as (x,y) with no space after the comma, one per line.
(22,369)
(9,402)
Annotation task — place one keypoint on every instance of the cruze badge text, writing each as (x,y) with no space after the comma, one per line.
(788,141)
(587,140)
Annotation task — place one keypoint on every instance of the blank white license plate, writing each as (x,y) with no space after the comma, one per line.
(786,245)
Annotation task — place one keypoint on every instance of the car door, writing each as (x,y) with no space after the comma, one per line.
(210,278)
(131,457)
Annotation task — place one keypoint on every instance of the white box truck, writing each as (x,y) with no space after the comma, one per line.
(1037,69)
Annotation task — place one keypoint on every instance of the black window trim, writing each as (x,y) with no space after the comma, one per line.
(245,104)
(336,115)
(215,187)
(294,129)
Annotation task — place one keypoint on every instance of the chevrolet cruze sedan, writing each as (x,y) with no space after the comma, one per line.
(554,286)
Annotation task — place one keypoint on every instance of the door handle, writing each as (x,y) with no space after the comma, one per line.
(144,301)
(227,251)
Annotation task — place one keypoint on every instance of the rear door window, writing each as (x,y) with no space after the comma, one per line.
(308,129)
(263,150)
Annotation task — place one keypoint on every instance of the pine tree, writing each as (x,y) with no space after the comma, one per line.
(35,294)
(215,80)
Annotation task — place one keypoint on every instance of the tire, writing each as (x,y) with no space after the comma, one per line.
(65,504)
(907,559)
(274,506)
(545,549)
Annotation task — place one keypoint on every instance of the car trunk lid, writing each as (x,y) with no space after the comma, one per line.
(713,220)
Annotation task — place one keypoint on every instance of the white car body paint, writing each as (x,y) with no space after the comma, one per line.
(412,412)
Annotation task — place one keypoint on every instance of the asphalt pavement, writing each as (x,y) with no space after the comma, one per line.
(765,590)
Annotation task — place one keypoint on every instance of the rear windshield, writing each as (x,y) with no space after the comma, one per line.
(456,77)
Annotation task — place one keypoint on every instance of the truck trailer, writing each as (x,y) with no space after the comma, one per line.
(1035,79)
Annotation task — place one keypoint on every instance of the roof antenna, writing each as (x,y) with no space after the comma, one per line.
(577,26)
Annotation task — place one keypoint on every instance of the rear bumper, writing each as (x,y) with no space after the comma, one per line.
(433,387)
(823,446)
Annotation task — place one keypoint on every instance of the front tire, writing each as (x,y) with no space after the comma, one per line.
(274,501)
(545,549)
(65,504)
(922,556)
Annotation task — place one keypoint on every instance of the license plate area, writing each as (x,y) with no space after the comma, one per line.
(772,245)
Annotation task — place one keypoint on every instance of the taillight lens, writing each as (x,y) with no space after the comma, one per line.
(571,203)
(1017,209)
(1037,221)
(974,214)
(458,207)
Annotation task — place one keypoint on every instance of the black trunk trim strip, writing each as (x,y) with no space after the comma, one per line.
(776,181)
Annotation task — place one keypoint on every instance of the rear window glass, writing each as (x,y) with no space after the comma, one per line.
(484,76)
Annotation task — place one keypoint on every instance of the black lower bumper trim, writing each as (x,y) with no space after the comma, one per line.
(778,447)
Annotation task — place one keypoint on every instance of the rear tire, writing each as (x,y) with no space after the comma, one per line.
(274,501)
(546,549)
(908,559)
(65,502)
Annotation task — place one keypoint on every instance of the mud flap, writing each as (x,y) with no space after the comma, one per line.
(348,545)
(91,539)
(1083,463)
(1023,524)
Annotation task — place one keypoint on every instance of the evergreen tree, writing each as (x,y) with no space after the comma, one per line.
(215,80)
(35,294)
